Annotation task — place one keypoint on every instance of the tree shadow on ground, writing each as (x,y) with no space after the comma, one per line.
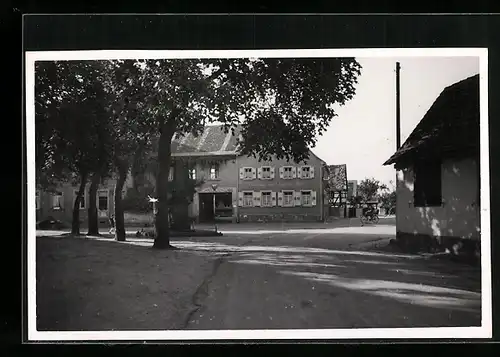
(91,270)
(405,278)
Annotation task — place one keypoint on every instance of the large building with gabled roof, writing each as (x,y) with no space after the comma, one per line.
(246,189)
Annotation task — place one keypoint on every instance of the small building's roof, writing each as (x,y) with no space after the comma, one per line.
(451,125)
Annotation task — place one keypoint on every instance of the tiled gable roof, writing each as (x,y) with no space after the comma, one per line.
(450,125)
(212,141)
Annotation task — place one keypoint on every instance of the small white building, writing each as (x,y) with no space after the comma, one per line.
(438,173)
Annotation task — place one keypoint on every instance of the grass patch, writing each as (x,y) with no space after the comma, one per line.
(84,284)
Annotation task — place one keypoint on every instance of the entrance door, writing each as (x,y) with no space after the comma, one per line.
(223,207)
(206,207)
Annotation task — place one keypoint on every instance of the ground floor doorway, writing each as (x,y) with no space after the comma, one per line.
(223,207)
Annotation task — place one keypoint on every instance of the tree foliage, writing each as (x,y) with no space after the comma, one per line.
(369,189)
(388,201)
(282,105)
(72,126)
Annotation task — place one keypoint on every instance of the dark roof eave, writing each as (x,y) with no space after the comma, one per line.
(404,158)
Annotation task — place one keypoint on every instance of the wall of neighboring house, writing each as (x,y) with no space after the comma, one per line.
(62,208)
(49,204)
(457,217)
(252,181)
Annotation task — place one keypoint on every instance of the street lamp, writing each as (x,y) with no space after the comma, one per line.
(214,188)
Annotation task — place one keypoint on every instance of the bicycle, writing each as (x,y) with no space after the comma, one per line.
(369,217)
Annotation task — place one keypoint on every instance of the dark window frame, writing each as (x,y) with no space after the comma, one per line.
(428,185)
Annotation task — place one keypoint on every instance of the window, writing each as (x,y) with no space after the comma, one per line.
(266,172)
(82,200)
(192,174)
(57,200)
(247,199)
(102,200)
(214,172)
(306,198)
(247,173)
(287,172)
(266,199)
(306,172)
(427,175)
(171,173)
(287,198)
(37,200)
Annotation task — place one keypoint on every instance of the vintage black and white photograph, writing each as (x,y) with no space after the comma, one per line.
(237,194)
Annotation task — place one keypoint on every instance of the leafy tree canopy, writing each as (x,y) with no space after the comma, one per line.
(369,189)
(283,105)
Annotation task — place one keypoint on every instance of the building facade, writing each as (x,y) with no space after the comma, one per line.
(336,191)
(233,188)
(241,189)
(438,194)
(279,190)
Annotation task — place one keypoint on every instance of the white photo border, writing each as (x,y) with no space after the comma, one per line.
(482,332)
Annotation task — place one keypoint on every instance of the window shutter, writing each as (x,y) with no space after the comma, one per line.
(280,199)
(311,170)
(259,173)
(296,201)
(299,172)
(273,199)
(272,172)
(242,173)
(240,199)
(281,172)
(313,198)
(294,172)
(256,198)
(254,173)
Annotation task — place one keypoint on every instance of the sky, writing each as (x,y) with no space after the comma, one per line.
(363,135)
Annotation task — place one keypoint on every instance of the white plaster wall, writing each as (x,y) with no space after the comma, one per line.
(457,217)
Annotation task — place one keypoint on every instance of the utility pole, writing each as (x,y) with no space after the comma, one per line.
(398,108)
(398,139)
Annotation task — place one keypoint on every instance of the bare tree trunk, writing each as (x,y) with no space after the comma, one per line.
(75,224)
(162,237)
(92,210)
(119,213)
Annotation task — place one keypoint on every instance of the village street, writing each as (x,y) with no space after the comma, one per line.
(329,278)
(265,277)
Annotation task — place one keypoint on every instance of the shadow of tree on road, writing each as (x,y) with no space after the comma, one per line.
(391,282)
(405,278)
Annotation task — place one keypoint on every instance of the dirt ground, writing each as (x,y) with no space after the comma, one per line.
(84,284)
